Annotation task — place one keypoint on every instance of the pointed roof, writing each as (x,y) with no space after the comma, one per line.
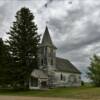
(46,40)
(46,37)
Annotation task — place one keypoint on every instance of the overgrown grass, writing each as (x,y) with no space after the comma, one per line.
(78,93)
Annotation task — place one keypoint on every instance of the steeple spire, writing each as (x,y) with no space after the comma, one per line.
(46,40)
(46,37)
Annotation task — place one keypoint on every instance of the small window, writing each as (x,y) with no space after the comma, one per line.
(62,77)
(41,61)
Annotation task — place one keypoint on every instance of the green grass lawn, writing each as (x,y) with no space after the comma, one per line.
(78,93)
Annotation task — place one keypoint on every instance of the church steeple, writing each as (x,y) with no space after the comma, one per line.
(46,40)
(47,52)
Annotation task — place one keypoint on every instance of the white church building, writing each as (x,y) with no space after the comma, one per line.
(53,71)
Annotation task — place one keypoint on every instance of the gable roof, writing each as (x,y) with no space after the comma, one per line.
(65,66)
(46,40)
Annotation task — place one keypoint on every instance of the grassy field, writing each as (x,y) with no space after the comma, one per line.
(77,93)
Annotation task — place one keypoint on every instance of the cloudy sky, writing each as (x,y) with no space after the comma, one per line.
(74,25)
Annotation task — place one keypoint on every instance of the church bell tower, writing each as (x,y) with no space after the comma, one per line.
(47,52)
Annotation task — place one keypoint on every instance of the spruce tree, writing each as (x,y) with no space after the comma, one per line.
(4,63)
(23,47)
(1,60)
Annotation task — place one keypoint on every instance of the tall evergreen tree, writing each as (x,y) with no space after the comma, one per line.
(94,70)
(1,60)
(23,47)
(4,60)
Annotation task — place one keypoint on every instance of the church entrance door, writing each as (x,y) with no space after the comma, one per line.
(43,84)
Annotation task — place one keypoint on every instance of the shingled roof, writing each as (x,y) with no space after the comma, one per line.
(46,41)
(65,66)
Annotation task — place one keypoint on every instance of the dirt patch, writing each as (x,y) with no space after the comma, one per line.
(29,98)
(36,98)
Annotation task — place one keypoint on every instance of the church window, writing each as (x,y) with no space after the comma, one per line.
(41,61)
(72,79)
(45,56)
(45,61)
(45,52)
(51,61)
(62,77)
(34,82)
(49,51)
